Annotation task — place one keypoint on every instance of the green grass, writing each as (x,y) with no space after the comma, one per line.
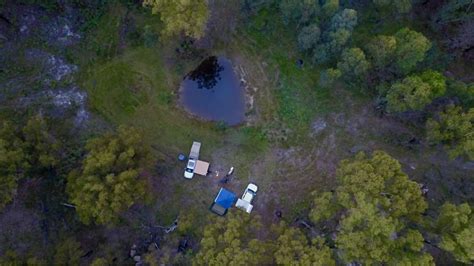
(134,89)
(297,96)
(137,88)
(103,40)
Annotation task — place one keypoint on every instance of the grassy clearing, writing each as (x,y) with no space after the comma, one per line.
(135,87)
(297,95)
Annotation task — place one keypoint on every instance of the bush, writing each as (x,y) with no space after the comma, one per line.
(309,37)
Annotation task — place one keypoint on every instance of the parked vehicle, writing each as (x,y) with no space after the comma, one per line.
(189,172)
(193,157)
(245,203)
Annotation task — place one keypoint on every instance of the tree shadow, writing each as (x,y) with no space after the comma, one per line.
(207,74)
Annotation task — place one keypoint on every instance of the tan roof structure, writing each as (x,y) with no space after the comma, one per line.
(201,168)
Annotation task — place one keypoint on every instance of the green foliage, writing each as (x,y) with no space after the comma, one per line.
(149,36)
(25,152)
(399,53)
(409,94)
(230,241)
(11,258)
(411,49)
(68,252)
(328,77)
(463,91)
(298,12)
(108,181)
(436,81)
(399,6)
(453,12)
(12,162)
(118,87)
(381,50)
(296,100)
(326,207)
(293,248)
(416,91)
(353,64)
(221,126)
(250,7)
(369,237)
(346,19)
(181,16)
(336,36)
(383,181)
(454,128)
(99,262)
(308,37)
(40,145)
(102,28)
(304,11)
(456,227)
(373,204)
(329,8)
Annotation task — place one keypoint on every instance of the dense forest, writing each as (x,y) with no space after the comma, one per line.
(355,118)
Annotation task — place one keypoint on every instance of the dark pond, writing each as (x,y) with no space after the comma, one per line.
(212,91)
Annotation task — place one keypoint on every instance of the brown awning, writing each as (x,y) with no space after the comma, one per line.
(201,168)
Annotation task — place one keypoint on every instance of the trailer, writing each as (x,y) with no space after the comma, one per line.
(194,154)
(193,157)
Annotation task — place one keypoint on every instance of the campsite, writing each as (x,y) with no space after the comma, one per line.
(236,132)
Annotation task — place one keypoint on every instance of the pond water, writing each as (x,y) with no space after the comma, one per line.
(212,91)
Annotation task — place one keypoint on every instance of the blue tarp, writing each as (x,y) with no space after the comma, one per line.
(225,198)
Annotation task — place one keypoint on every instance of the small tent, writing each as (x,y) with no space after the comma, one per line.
(224,200)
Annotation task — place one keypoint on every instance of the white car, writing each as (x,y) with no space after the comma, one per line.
(245,203)
(189,172)
(193,157)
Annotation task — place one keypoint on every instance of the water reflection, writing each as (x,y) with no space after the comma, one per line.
(222,100)
(207,74)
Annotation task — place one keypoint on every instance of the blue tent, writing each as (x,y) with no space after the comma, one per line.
(224,200)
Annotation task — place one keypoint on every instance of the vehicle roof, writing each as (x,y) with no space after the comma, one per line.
(252,187)
(191,163)
(248,196)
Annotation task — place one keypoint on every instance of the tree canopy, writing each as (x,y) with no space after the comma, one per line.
(298,11)
(463,91)
(108,181)
(12,162)
(68,252)
(25,152)
(294,248)
(181,16)
(353,63)
(398,6)
(416,91)
(455,129)
(456,227)
(411,49)
(328,77)
(232,241)
(336,36)
(381,49)
(308,37)
(373,204)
